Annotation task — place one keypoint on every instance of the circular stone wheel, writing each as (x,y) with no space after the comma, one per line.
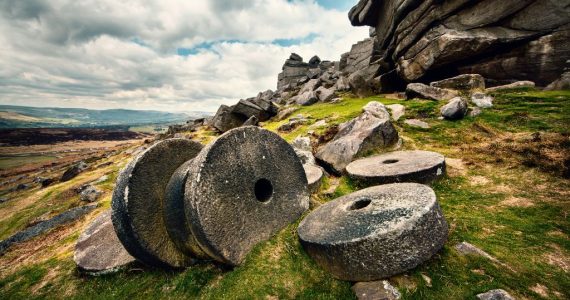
(400,166)
(314,177)
(375,233)
(98,250)
(242,189)
(138,203)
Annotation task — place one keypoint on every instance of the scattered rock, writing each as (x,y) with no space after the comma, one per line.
(314,177)
(318,124)
(482,100)
(285,113)
(400,166)
(495,295)
(420,90)
(252,121)
(306,99)
(342,84)
(540,289)
(98,250)
(90,194)
(292,124)
(3,200)
(456,109)
(263,197)
(41,227)
(73,171)
(138,203)
(417,123)
(101,179)
(225,120)
(310,86)
(375,290)
(465,82)
(563,83)
(324,94)
(514,85)
(358,136)
(377,109)
(398,111)
(474,112)
(23,187)
(302,143)
(375,233)
(468,249)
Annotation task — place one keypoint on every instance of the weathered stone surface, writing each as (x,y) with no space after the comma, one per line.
(454,110)
(482,100)
(44,226)
(73,171)
(514,85)
(400,166)
(310,86)
(98,251)
(358,136)
(90,194)
(242,189)
(306,99)
(342,84)
(314,61)
(465,82)
(224,120)
(497,294)
(375,290)
(420,90)
(294,69)
(417,123)
(252,121)
(563,83)
(398,111)
(375,233)
(377,109)
(324,94)
(246,108)
(314,177)
(138,203)
(285,113)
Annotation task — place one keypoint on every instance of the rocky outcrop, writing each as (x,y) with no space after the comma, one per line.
(422,40)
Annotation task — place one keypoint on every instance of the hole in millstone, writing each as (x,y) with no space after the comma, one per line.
(263,190)
(390,161)
(360,204)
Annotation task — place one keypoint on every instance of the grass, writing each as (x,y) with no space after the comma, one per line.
(515,211)
(8,162)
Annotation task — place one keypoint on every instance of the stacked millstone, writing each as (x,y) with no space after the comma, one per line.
(177,202)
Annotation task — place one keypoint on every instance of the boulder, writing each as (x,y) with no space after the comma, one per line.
(511,86)
(229,212)
(225,120)
(306,99)
(482,100)
(324,94)
(98,251)
(294,70)
(310,86)
(285,113)
(417,123)
(342,84)
(375,233)
(314,62)
(355,137)
(139,200)
(252,121)
(302,143)
(359,84)
(247,109)
(375,290)
(73,171)
(563,83)
(454,110)
(465,82)
(397,110)
(377,109)
(90,194)
(314,177)
(420,90)
(497,294)
(314,73)
(400,166)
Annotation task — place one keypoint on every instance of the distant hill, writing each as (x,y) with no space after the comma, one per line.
(40,117)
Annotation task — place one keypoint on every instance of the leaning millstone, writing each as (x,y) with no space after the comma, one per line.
(375,233)
(497,294)
(138,203)
(98,250)
(314,177)
(399,166)
(242,189)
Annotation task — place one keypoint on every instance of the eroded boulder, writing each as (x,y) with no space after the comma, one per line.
(456,109)
(420,90)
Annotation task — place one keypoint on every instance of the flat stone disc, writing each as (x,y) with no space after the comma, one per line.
(98,250)
(375,233)
(241,190)
(138,203)
(399,166)
(314,177)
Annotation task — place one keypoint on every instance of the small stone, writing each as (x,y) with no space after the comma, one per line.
(90,194)
(417,123)
(399,166)
(375,233)
(398,111)
(101,179)
(497,294)
(427,280)
(314,177)
(98,250)
(375,290)
(475,111)
(456,109)
(482,100)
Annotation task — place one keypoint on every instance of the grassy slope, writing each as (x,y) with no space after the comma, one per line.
(495,197)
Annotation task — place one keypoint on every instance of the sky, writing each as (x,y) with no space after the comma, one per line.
(168,55)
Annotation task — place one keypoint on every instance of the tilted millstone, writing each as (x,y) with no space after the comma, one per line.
(138,203)
(400,166)
(242,189)
(98,250)
(314,177)
(375,233)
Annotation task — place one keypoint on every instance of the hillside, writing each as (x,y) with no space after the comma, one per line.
(493,159)
(36,117)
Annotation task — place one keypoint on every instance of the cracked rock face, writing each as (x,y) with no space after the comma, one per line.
(499,39)
(375,233)
(138,203)
(242,189)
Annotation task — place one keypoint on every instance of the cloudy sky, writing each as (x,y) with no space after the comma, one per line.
(170,55)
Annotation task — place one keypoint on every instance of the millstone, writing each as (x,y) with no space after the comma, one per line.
(314,177)
(98,250)
(400,166)
(375,233)
(242,189)
(138,203)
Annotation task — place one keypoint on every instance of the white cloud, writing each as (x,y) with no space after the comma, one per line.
(123,54)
